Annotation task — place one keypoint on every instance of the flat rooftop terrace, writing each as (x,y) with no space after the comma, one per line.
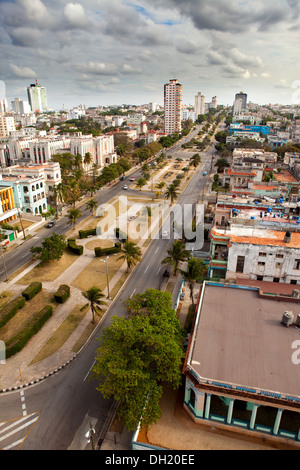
(239,339)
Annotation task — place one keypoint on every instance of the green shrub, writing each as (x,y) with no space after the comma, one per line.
(31,290)
(86,233)
(62,294)
(10,309)
(77,249)
(108,251)
(18,342)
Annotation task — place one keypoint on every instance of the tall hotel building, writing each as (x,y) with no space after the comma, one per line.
(37,97)
(172,106)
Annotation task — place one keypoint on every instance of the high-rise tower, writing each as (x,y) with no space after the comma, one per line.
(242,96)
(37,97)
(199,104)
(172,106)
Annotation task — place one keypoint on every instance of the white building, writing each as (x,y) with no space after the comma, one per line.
(199,104)
(37,97)
(101,148)
(7,125)
(29,193)
(20,107)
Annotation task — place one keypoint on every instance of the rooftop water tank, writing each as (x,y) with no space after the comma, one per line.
(287,318)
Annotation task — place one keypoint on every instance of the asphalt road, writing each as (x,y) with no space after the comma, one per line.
(61,409)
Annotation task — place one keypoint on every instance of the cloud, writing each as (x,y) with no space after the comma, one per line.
(26,37)
(22,72)
(75,15)
(97,68)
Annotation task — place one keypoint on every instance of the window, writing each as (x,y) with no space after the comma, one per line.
(261,263)
(240,264)
(279,256)
(262,253)
(297,264)
(278,265)
(276,279)
(293,281)
(260,278)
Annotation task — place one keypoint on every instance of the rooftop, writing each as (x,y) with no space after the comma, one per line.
(257,236)
(240,340)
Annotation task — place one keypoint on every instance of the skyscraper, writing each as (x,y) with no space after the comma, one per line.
(199,104)
(172,106)
(37,97)
(242,96)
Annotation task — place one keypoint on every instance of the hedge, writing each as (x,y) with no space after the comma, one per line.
(108,251)
(86,233)
(18,342)
(31,290)
(62,294)
(77,249)
(10,309)
(120,235)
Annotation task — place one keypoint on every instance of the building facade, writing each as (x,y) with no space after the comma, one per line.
(236,379)
(37,98)
(172,106)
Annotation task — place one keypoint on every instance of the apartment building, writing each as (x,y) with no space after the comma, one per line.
(29,194)
(8,210)
(37,97)
(241,376)
(101,148)
(172,106)
(199,104)
(7,125)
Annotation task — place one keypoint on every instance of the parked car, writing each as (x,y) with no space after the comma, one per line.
(166,273)
(50,224)
(122,178)
(204,173)
(125,187)
(132,178)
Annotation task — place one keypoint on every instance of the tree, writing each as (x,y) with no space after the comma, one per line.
(221,164)
(131,253)
(176,254)
(87,159)
(140,183)
(91,205)
(195,269)
(73,216)
(171,193)
(52,248)
(139,353)
(94,295)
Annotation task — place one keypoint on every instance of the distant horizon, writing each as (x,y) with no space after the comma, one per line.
(99,52)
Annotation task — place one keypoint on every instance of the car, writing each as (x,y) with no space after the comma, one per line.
(166,273)
(165,234)
(204,173)
(122,178)
(50,224)
(125,187)
(132,178)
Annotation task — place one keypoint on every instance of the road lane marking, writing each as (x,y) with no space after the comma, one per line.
(89,371)
(133,293)
(156,250)
(158,271)
(146,269)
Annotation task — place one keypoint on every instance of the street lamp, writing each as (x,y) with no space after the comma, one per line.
(106,267)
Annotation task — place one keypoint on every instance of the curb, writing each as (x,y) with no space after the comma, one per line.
(35,381)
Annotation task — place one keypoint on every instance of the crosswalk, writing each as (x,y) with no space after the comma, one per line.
(15,431)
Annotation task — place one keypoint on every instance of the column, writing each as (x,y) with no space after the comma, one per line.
(253,415)
(230,410)
(207,405)
(277,421)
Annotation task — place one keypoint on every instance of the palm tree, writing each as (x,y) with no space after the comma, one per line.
(94,295)
(171,193)
(161,184)
(176,254)
(73,215)
(91,205)
(131,253)
(87,160)
(195,269)
(140,183)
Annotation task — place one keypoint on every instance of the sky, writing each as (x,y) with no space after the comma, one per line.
(114,52)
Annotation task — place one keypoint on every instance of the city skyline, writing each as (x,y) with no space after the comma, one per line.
(96,52)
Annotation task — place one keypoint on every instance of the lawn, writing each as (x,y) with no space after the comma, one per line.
(49,271)
(18,322)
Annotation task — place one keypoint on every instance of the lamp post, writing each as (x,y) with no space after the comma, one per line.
(106,268)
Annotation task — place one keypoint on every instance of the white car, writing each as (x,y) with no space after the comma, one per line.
(125,187)
(132,178)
